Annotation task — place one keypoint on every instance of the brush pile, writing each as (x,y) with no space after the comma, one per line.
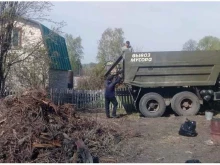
(34,130)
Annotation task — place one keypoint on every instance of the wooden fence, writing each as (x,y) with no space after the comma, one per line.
(88,99)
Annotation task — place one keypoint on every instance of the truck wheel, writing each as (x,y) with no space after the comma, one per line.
(185,104)
(173,101)
(152,105)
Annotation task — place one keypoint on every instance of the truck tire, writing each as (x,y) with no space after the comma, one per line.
(185,104)
(152,105)
(173,100)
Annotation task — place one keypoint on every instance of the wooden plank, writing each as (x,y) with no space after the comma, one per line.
(95,97)
(79,98)
(72,96)
(83,99)
(103,99)
(61,96)
(92,98)
(75,99)
(100,99)
(51,94)
(86,99)
(55,96)
(50,145)
(58,96)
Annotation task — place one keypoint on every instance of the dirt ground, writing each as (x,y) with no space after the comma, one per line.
(156,140)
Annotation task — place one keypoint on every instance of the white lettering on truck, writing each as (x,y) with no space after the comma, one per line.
(141,57)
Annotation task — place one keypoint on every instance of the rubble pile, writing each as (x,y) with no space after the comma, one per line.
(34,130)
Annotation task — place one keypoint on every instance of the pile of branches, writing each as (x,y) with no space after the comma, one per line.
(34,130)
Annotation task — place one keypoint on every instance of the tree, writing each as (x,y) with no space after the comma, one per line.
(75,51)
(209,43)
(110,44)
(87,67)
(93,78)
(12,13)
(190,45)
(138,48)
(30,73)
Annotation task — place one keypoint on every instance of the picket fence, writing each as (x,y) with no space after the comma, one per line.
(87,99)
(90,99)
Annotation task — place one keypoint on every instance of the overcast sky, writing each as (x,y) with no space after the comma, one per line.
(154,26)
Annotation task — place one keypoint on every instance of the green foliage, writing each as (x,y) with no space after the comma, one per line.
(94,78)
(206,43)
(209,43)
(109,48)
(87,67)
(110,45)
(75,51)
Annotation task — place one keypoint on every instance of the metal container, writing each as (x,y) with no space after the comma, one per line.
(172,68)
(215,130)
(208,115)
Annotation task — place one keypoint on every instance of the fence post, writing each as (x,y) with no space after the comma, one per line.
(72,95)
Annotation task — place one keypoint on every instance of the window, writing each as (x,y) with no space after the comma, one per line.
(16,37)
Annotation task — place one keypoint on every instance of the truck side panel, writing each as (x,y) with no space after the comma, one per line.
(177,68)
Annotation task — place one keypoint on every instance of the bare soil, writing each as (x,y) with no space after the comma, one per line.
(156,140)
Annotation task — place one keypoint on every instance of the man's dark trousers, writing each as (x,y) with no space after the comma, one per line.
(112,100)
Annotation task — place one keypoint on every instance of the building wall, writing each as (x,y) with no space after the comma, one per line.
(58,79)
(33,72)
(31,33)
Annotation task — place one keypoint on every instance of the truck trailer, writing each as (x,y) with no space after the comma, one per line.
(184,80)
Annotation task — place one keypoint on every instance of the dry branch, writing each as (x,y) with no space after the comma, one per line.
(33,129)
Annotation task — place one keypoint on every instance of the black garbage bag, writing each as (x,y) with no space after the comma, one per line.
(188,129)
(95,159)
(193,161)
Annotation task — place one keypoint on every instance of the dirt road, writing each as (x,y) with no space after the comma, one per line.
(157,140)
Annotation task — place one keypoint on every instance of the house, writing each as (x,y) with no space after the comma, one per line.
(46,61)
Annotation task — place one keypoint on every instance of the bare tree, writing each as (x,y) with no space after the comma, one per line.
(190,45)
(14,14)
(138,48)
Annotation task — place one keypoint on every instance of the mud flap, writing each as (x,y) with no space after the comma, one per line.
(134,100)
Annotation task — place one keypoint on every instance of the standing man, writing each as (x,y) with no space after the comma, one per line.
(127,47)
(110,95)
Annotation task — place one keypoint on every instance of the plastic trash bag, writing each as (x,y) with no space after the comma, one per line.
(188,129)
(193,161)
(95,159)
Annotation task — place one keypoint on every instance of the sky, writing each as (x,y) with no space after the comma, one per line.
(151,26)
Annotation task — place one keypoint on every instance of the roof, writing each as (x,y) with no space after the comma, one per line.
(56,47)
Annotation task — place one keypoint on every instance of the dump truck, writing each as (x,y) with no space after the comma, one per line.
(182,80)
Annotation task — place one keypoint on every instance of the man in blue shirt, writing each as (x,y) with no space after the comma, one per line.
(110,95)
